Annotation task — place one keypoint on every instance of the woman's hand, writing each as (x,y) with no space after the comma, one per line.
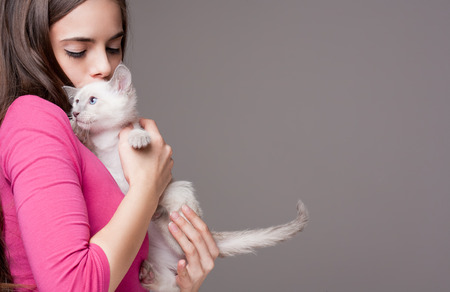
(150,167)
(199,247)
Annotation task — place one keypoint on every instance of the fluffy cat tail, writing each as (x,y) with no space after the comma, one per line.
(242,242)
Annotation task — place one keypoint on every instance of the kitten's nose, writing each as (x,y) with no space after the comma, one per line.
(75,114)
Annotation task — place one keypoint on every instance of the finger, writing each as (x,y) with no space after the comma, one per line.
(186,245)
(181,268)
(182,273)
(125,131)
(195,237)
(201,227)
(150,126)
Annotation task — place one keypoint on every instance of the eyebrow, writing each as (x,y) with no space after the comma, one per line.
(90,40)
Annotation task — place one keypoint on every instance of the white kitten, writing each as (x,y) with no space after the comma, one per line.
(100,111)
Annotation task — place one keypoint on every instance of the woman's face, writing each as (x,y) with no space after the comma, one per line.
(87,41)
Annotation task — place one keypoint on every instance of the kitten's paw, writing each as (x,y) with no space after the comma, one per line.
(146,275)
(138,138)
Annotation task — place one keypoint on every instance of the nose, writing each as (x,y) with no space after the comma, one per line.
(75,114)
(100,66)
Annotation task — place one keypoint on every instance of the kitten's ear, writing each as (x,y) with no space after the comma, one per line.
(71,92)
(121,80)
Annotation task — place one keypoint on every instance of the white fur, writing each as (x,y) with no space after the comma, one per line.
(98,126)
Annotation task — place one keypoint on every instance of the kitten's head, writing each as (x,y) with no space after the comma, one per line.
(104,104)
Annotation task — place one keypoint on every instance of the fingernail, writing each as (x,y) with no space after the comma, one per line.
(173,227)
(174,215)
(186,208)
(182,263)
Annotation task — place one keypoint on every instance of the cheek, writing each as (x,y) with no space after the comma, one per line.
(74,72)
(70,68)
(115,62)
(77,82)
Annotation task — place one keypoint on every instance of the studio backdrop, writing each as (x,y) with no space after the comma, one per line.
(342,104)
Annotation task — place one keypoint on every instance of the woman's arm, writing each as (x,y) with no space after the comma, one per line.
(148,172)
(40,158)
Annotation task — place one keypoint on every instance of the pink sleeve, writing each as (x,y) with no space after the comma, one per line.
(42,163)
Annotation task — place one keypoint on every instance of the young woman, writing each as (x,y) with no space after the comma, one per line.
(65,224)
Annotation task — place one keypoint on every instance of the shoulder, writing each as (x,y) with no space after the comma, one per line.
(30,112)
(34,127)
(34,117)
(35,109)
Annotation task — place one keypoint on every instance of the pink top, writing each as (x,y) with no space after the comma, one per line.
(55,195)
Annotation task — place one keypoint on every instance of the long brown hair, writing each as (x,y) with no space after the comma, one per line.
(29,66)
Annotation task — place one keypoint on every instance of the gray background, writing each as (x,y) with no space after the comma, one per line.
(343,104)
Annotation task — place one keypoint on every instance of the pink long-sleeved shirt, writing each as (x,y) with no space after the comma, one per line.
(55,196)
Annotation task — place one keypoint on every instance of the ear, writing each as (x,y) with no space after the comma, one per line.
(71,92)
(121,80)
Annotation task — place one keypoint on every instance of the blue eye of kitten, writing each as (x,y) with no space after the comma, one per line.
(92,100)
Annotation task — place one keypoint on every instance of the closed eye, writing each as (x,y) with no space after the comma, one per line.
(75,54)
(113,51)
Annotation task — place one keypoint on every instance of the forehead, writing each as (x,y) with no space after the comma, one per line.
(96,19)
